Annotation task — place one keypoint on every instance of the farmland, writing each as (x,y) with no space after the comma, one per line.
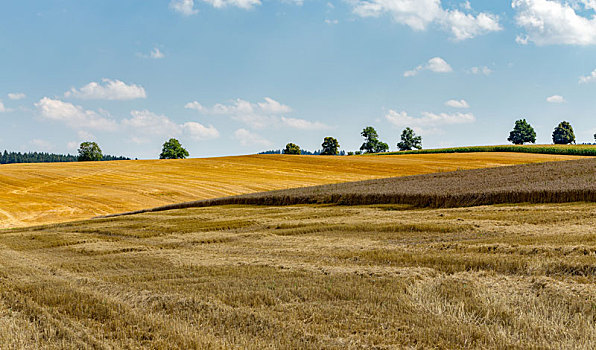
(49,193)
(314,276)
(579,150)
(552,182)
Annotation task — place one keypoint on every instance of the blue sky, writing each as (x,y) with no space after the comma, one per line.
(240,76)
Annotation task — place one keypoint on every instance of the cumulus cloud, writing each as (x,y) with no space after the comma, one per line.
(74,116)
(302,124)
(484,70)
(419,14)
(553,22)
(555,99)
(184,7)
(432,121)
(457,104)
(108,90)
(588,78)
(149,123)
(266,114)
(199,131)
(435,64)
(248,138)
(16,95)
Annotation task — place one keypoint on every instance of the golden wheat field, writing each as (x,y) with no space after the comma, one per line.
(305,277)
(58,192)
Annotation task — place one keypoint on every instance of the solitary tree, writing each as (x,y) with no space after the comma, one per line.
(292,148)
(330,146)
(409,140)
(522,132)
(372,144)
(89,152)
(563,134)
(172,149)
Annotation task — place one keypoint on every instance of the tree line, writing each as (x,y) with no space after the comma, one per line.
(522,132)
(44,157)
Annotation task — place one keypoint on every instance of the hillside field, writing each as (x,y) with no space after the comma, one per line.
(56,192)
(305,277)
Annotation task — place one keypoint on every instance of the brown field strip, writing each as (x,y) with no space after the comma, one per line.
(47,193)
(305,277)
(551,182)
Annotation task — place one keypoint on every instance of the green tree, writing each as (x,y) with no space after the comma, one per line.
(563,134)
(409,140)
(330,146)
(89,152)
(292,148)
(172,149)
(522,132)
(372,144)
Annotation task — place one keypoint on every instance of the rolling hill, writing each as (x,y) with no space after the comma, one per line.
(48,193)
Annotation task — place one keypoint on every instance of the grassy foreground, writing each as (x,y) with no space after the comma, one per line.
(48,193)
(305,277)
(578,150)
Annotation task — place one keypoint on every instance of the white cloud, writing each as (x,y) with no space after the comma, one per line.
(200,132)
(109,90)
(480,70)
(550,22)
(16,95)
(243,4)
(148,123)
(435,64)
(428,120)
(588,78)
(156,54)
(555,99)
(303,124)
(248,138)
(73,116)
(270,106)
(331,21)
(260,115)
(2,108)
(419,14)
(457,104)
(196,106)
(184,7)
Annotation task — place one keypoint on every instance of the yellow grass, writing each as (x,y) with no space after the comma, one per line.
(305,277)
(58,192)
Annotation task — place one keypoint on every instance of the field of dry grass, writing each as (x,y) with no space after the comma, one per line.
(551,182)
(335,277)
(58,192)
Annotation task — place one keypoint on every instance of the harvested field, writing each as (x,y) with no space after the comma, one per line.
(305,277)
(560,182)
(48,193)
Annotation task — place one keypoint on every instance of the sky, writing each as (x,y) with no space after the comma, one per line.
(229,77)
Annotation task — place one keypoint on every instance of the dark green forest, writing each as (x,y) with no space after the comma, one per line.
(42,157)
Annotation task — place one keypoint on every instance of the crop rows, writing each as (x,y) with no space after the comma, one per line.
(556,182)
